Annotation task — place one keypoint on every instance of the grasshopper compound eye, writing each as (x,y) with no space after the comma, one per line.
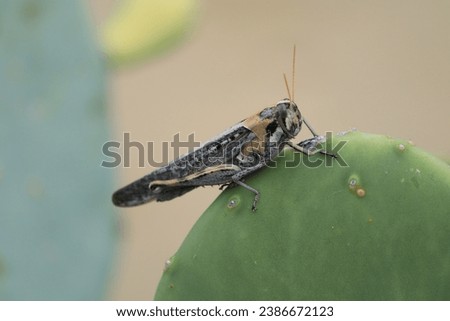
(289,117)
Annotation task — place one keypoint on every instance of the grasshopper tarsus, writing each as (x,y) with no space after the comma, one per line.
(255,201)
(324,152)
(251,189)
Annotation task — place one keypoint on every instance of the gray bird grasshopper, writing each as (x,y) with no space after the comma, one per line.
(227,159)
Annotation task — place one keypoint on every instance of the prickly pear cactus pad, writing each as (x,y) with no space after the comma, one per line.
(142,28)
(377,229)
(57,228)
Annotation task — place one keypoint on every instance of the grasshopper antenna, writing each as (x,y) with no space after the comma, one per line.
(291,97)
(293,87)
(287,86)
(293,73)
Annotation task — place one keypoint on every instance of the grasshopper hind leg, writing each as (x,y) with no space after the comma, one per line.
(257,194)
(237,179)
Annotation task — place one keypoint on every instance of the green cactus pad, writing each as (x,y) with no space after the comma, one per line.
(377,229)
(57,224)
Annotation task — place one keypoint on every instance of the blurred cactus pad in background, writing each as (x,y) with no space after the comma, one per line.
(377,229)
(57,224)
(57,228)
(142,28)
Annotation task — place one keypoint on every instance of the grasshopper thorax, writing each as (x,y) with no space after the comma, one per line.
(289,117)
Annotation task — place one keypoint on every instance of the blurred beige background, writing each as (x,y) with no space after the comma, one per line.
(380,66)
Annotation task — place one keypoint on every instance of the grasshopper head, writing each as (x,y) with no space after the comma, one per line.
(289,117)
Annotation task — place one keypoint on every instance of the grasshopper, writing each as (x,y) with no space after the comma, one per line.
(227,159)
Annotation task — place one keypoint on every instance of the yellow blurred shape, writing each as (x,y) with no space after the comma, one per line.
(141,28)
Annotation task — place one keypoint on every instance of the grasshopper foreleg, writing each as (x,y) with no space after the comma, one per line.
(310,150)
